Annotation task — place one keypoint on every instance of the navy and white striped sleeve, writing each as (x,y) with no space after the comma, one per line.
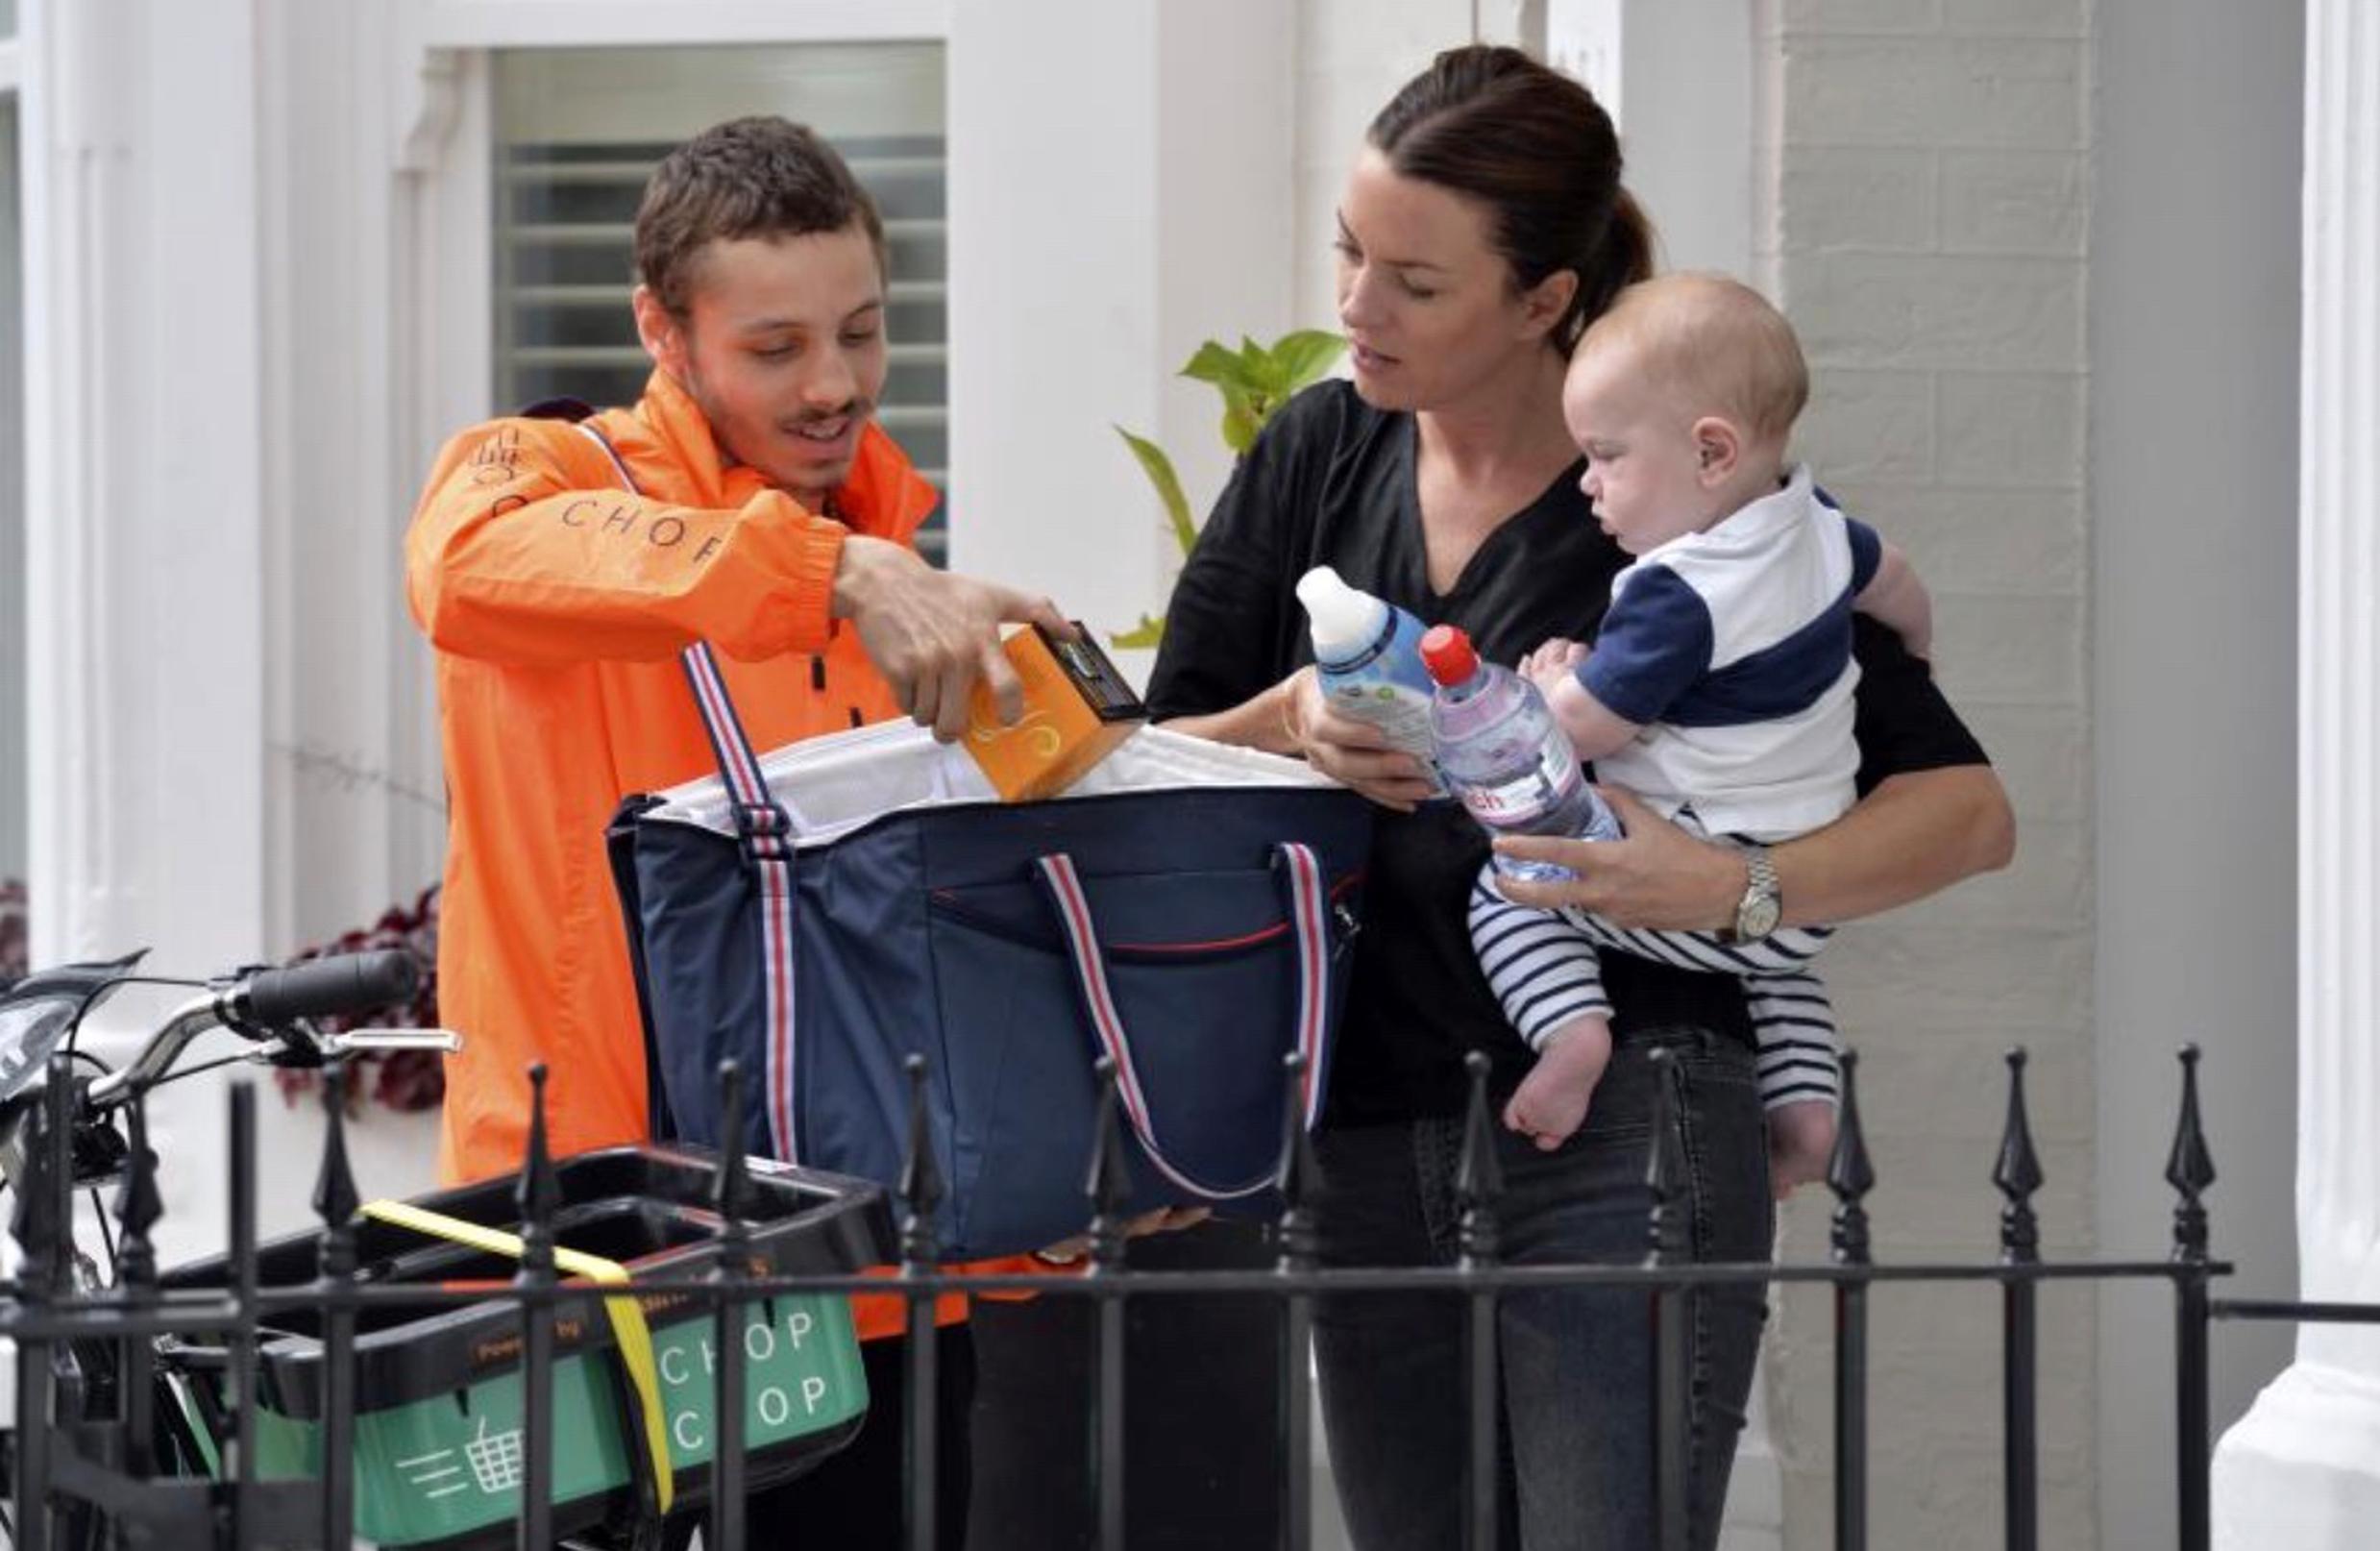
(1655,641)
(1543,970)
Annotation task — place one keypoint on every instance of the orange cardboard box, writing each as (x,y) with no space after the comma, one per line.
(1078,709)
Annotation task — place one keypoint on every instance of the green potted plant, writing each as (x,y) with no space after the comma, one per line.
(1254,380)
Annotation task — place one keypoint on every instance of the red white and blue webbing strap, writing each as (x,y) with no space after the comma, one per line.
(768,843)
(1309,915)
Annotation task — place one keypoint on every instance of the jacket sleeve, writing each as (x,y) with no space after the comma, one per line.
(521,553)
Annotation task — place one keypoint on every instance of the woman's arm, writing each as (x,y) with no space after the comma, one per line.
(1292,717)
(1260,722)
(1915,834)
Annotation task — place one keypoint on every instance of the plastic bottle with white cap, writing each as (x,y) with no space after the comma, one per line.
(1367,654)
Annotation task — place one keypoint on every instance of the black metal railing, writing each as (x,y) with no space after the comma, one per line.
(87,1471)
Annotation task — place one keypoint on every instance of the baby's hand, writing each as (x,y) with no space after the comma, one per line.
(1801,1143)
(1552,663)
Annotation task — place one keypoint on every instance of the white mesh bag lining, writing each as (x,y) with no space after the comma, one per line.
(832,785)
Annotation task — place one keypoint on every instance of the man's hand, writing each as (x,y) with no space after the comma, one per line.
(933,633)
(1164,1220)
(1658,876)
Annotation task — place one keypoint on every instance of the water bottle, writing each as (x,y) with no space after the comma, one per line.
(1506,757)
(1368,657)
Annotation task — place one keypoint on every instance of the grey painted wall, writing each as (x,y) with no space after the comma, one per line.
(2193,326)
(12,775)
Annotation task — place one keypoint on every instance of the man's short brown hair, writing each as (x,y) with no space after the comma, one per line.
(760,177)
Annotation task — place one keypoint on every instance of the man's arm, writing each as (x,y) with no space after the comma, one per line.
(521,551)
(514,556)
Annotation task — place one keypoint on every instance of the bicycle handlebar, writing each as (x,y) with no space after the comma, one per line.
(326,988)
(321,988)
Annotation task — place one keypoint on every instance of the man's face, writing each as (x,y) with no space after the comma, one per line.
(781,346)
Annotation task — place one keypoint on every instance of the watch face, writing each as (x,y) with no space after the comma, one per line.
(1757,916)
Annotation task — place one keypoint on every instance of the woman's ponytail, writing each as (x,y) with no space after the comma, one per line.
(1621,257)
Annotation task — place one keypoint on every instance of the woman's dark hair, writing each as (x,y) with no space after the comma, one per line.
(1538,150)
(761,177)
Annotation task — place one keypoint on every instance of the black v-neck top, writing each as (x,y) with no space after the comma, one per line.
(1332,483)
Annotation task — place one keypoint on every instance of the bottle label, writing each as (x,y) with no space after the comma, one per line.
(1397,710)
(1388,688)
(1530,794)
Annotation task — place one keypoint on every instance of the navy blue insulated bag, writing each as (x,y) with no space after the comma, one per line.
(863,897)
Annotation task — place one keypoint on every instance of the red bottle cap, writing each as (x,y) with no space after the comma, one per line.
(1447,652)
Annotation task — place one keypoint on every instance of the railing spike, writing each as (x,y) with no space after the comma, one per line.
(2190,1167)
(921,1174)
(1478,1178)
(2017,1172)
(1849,1173)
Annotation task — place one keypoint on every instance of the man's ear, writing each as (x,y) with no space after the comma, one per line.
(1718,448)
(1545,303)
(663,335)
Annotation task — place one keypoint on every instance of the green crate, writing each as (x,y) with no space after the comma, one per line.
(437,1440)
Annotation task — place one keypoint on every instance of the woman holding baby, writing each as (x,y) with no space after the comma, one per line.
(1483,231)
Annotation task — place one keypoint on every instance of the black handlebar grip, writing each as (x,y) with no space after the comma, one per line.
(326,987)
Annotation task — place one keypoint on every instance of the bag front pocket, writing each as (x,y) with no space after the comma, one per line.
(1202,979)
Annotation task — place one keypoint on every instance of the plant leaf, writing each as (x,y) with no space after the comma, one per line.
(1266,375)
(1147,633)
(1241,418)
(1306,354)
(1160,471)
(1214,363)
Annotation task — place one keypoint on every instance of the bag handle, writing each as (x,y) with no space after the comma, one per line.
(767,835)
(1301,876)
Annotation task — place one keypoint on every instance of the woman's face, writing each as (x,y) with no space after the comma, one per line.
(1428,305)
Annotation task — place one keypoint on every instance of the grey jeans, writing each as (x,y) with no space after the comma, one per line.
(1575,1364)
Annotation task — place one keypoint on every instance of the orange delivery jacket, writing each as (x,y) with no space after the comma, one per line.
(558,601)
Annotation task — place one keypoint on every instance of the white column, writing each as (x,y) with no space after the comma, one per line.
(1098,234)
(1690,154)
(143,478)
(2302,1469)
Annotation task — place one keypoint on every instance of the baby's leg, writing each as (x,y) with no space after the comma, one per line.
(1793,1022)
(1547,977)
(1801,1143)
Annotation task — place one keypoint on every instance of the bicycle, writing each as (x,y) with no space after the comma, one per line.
(69,1123)
(207,1404)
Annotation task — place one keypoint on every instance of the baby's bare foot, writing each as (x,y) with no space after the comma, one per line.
(1550,1106)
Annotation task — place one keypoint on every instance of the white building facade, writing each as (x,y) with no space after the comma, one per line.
(2044,255)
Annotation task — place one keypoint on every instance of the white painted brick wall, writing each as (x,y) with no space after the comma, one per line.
(1931,219)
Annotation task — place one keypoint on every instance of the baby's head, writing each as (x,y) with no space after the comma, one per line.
(1683,396)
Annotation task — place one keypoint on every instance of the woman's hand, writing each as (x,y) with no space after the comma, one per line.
(1659,877)
(1354,753)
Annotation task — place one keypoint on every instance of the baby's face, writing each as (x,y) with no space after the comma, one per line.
(1642,467)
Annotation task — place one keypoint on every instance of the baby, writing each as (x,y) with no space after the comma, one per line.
(1719,688)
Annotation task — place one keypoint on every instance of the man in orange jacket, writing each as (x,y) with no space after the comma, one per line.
(772,517)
